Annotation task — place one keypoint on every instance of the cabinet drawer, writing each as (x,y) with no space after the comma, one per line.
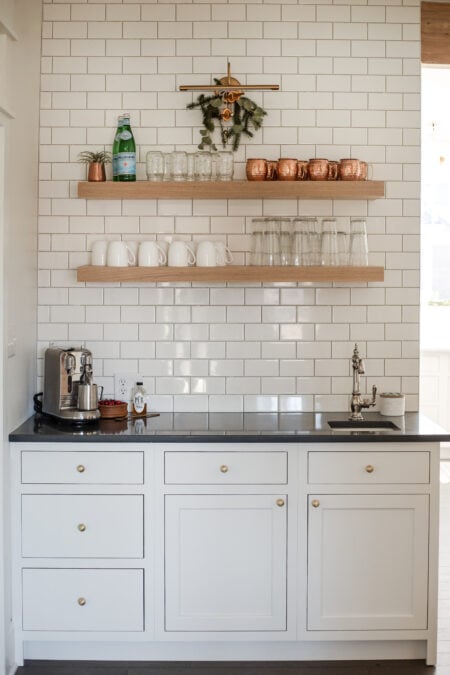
(226,468)
(82,526)
(83,599)
(82,468)
(369,467)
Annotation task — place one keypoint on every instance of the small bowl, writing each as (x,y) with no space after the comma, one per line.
(109,411)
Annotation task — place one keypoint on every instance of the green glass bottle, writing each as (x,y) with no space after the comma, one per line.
(124,154)
(115,148)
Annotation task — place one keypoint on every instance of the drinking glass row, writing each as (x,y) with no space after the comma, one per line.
(307,241)
(189,166)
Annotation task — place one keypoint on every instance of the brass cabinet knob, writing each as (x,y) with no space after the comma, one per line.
(370,468)
(280,502)
(81,602)
(81,468)
(82,527)
(315,503)
(224,468)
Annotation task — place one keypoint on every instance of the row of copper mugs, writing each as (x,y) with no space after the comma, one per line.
(287,168)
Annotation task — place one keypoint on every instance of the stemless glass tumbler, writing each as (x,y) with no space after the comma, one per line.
(203,165)
(154,165)
(179,166)
(256,245)
(359,249)
(224,165)
(329,246)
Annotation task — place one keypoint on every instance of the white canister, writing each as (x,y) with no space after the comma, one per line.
(392,404)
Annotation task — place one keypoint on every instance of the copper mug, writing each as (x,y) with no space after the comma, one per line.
(256,169)
(302,169)
(333,170)
(287,169)
(350,169)
(318,169)
(272,169)
(364,171)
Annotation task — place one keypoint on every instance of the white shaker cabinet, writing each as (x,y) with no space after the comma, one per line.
(367,562)
(225,550)
(225,562)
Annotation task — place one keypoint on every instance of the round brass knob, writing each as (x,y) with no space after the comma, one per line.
(82,527)
(81,468)
(224,468)
(82,602)
(370,468)
(315,503)
(280,502)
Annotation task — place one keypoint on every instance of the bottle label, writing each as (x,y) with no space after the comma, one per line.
(125,164)
(139,402)
(125,135)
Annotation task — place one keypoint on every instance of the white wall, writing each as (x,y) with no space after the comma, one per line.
(350,86)
(18,245)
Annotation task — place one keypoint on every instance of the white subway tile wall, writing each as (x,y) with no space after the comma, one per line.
(349,81)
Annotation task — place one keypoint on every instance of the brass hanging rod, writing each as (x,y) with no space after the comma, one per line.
(240,87)
(229,83)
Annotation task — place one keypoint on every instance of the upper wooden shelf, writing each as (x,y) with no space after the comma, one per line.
(236,189)
(236,273)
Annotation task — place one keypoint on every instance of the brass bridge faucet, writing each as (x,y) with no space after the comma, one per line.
(357,402)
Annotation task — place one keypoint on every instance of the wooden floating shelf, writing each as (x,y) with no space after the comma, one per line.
(232,273)
(235,189)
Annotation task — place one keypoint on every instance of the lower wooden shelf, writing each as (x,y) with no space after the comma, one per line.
(236,273)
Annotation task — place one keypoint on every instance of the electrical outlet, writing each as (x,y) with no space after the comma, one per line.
(124,384)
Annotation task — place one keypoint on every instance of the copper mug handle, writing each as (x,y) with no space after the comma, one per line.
(333,168)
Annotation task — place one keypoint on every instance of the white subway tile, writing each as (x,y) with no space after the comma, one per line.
(138,29)
(226,403)
(260,404)
(197,403)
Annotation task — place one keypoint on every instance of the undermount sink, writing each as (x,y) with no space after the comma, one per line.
(366,425)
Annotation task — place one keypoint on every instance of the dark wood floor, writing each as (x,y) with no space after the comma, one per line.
(290,667)
(233,668)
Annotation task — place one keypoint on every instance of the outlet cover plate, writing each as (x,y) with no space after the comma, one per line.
(124,384)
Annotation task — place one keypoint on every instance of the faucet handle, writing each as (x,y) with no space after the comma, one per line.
(374,395)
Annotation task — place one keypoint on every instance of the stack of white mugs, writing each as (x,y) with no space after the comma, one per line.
(176,253)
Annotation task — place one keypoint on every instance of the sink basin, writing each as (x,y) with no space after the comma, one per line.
(363,425)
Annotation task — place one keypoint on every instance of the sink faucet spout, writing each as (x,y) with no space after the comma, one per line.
(357,402)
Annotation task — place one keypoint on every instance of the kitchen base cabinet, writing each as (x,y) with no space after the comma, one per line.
(367,562)
(226,550)
(225,562)
(83,600)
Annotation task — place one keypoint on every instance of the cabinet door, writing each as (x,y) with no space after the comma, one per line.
(225,567)
(367,562)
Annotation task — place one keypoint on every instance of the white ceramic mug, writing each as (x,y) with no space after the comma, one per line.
(119,254)
(180,254)
(224,255)
(98,253)
(207,254)
(151,254)
(133,245)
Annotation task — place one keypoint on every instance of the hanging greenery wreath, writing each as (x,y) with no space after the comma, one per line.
(234,114)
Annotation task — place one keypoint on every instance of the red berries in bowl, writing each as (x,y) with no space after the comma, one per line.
(109,407)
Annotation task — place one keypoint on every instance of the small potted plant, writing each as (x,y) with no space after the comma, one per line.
(96,162)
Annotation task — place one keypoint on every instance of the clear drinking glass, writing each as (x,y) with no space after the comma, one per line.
(154,165)
(167,166)
(343,245)
(224,165)
(271,242)
(359,249)
(190,166)
(203,165)
(301,241)
(257,241)
(329,248)
(285,225)
(178,167)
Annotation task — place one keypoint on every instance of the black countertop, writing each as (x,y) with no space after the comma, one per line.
(229,428)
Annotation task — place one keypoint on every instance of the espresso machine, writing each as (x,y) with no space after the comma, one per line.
(69,394)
